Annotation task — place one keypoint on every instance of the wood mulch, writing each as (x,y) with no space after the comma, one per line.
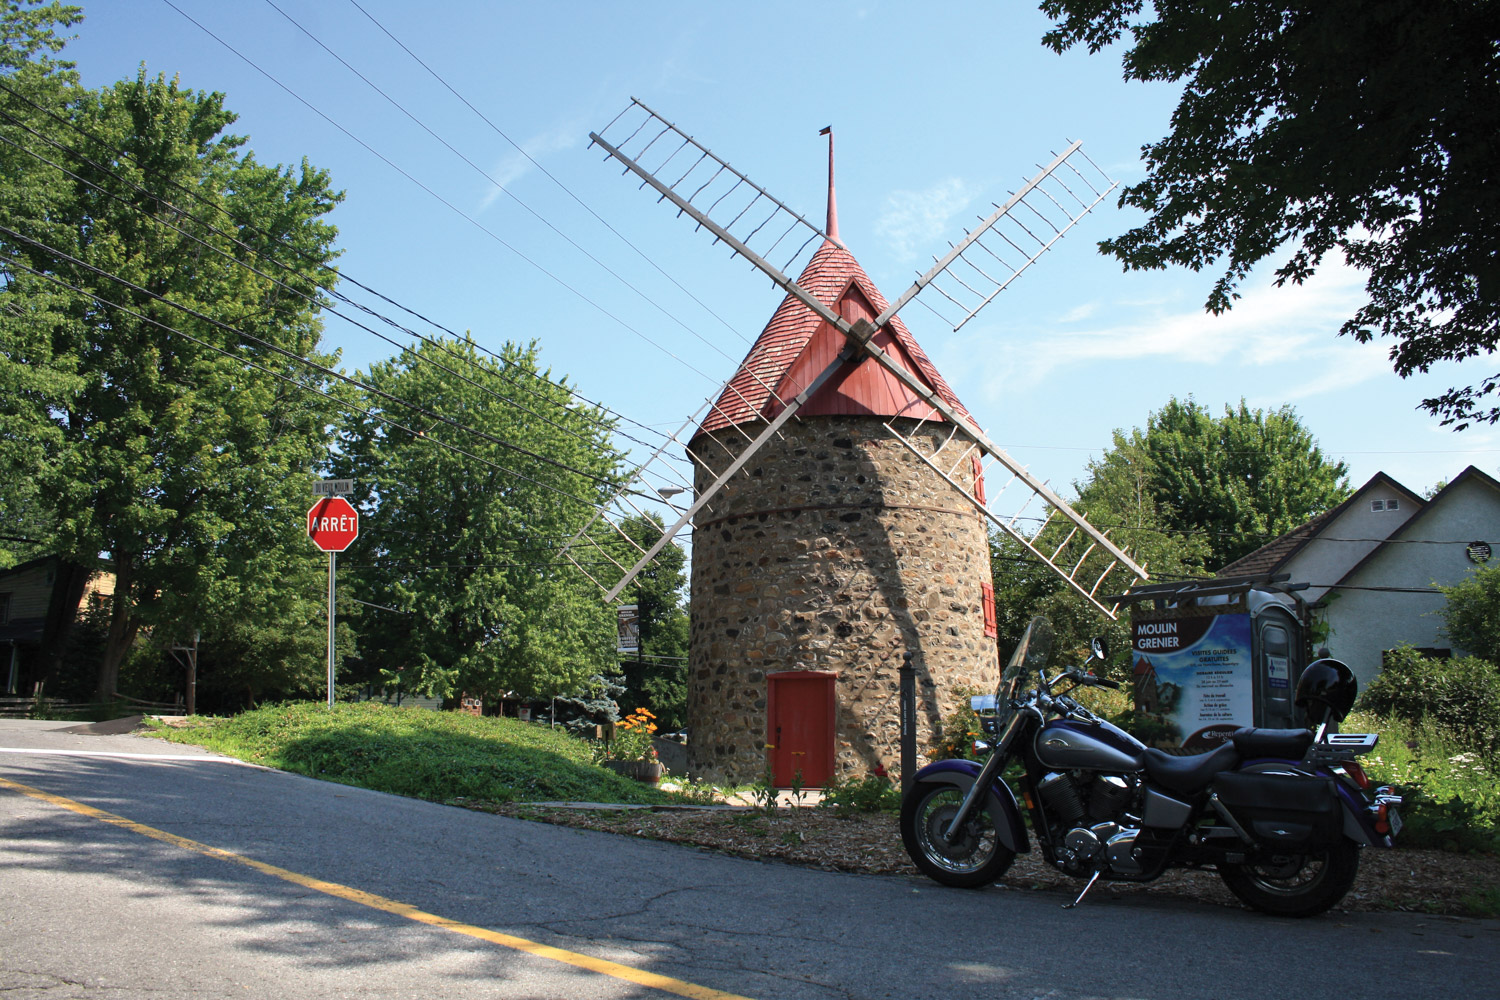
(1402,879)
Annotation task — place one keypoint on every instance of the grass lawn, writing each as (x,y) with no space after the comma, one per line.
(439,756)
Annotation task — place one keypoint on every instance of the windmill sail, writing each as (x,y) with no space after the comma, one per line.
(762,229)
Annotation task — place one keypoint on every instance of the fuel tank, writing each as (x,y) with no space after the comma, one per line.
(1066,744)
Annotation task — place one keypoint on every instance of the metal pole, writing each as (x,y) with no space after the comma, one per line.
(908,722)
(192,677)
(332,559)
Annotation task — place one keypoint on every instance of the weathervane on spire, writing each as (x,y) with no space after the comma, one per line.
(833,209)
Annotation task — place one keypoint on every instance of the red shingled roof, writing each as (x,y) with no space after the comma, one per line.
(797,344)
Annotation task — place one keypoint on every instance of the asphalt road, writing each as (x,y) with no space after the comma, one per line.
(90,908)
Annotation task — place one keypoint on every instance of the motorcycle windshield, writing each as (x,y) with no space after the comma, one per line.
(1030,656)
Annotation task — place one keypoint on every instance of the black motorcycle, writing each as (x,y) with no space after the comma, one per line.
(1280,814)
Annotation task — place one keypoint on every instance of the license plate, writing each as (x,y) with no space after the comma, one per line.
(1393,816)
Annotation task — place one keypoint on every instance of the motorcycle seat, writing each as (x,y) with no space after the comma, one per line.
(1186,775)
(1291,744)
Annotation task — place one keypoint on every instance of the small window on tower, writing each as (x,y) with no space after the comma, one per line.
(987,599)
(978,477)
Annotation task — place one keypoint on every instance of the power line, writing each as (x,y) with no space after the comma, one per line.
(485,174)
(292,355)
(311,299)
(422,434)
(547,173)
(439,198)
(555,564)
(321,264)
(474,222)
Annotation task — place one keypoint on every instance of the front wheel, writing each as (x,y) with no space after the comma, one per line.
(975,858)
(1295,885)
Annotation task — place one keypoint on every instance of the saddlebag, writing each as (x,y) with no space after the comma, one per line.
(1283,810)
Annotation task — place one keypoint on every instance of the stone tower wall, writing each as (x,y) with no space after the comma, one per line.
(835,549)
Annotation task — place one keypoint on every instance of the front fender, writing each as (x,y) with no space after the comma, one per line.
(963,773)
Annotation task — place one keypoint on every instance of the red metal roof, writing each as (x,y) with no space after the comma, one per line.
(797,344)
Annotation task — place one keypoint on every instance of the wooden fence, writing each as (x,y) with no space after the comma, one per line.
(13,707)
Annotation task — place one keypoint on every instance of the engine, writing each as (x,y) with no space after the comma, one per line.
(1092,814)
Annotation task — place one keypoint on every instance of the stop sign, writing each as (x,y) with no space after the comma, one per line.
(332,524)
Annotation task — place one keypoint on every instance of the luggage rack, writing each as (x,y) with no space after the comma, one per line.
(1334,747)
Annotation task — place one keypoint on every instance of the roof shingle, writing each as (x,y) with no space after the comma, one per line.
(797,344)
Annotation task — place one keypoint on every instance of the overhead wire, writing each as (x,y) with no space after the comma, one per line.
(311,299)
(342,403)
(723,386)
(485,174)
(444,201)
(544,171)
(508,363)
(292,355)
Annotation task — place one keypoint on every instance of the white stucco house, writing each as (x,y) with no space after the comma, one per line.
(1373,563)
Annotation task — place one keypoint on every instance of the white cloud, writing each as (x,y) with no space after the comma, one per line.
(514,165)
(1268,325)
(915,222)
(1079,312)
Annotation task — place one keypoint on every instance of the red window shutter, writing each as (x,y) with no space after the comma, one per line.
(987,598)
(978,477)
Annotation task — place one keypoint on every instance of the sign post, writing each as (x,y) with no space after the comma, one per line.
(333,525)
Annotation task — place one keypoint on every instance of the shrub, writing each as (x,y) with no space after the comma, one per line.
(1460,696)
(1472,613)
(957,730)
(1451,800)
(872,793)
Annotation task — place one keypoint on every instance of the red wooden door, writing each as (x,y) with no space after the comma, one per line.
(800,726)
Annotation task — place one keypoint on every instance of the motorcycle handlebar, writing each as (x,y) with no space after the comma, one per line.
(1089,680)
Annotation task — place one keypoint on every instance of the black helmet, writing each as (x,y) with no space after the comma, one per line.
(1326,691)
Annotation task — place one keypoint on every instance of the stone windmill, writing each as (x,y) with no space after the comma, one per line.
(839,513)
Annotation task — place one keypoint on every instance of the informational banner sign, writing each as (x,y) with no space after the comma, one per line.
(628,624)
(1194,678)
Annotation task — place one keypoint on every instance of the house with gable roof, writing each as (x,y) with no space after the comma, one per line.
(1373,563)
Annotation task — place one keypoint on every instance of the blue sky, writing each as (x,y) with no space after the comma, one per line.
(938,109)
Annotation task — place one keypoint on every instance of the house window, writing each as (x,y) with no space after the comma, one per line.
(987,599)
(1392,504)
(1377,505)
(4,609)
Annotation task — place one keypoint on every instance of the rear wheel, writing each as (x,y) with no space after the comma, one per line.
(976,857)
(1295,885)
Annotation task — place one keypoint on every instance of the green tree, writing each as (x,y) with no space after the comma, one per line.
(1185,496)
(1472,614)
(1116,495)
(150,431)
(462,542)
(657,679)
(1365,127)
(1232,483)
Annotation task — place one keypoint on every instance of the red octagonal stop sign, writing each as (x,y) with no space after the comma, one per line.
(332,524)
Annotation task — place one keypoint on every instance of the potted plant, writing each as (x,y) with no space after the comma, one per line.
(631,752)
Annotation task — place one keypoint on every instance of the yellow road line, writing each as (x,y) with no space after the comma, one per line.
(604,967)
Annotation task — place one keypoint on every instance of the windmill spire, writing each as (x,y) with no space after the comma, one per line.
(832,229)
